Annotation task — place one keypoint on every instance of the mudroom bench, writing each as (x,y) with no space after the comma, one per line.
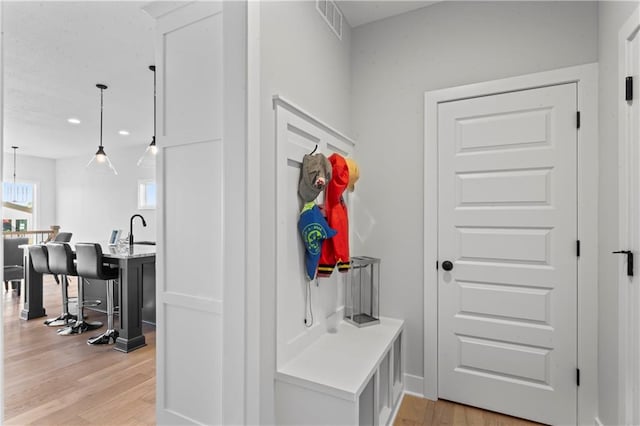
(351,376)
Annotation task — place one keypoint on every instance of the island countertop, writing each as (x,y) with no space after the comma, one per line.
(119,252)
(127,251)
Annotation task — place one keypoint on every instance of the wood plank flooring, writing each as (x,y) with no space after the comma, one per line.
(60,380)
(415,411)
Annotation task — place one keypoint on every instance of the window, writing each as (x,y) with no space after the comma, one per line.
(19,193)
(18,206)
(146,194)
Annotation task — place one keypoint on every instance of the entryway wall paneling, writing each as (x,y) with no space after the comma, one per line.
(585,76)
(201,173)
(629,232)
(297,134)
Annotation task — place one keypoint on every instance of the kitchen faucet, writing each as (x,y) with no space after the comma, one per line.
(144,223)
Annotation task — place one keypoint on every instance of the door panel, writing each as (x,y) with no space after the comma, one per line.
(507,220)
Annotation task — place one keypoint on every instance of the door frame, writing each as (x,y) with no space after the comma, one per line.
(585,76)
(628,295)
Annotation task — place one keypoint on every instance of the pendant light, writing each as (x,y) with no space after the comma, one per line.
(100,163)
(15,188)
(148,159)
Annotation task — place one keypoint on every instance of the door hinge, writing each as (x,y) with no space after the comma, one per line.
(577,119)
(577,376)
(578,248)
(436,264)
(628,88)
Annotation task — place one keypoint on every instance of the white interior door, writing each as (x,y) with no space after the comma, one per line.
(508,224)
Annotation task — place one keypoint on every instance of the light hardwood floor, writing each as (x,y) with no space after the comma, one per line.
(416,411)
(60,380)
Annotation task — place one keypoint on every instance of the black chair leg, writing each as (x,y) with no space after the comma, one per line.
(111,333)
(80,325)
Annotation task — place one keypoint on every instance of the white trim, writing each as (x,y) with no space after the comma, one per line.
(628,303)
(235,270)
(290,106)
(413,385)
(586,78)
(254,330)
(158,9)
(392,417)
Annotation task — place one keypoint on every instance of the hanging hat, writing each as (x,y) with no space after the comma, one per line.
(314,175)
(354,173)
(314,229)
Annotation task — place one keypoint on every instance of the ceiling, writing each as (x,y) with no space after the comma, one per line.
(54,55)
(55,52)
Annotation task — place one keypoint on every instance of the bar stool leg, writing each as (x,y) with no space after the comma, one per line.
(111,333)
(80,325)
(65,317)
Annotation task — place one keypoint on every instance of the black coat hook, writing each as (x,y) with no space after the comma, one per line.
(314,150)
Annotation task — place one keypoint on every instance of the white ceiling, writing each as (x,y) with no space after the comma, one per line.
(55,52)
(358,12)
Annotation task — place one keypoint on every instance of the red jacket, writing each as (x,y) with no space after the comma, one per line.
(335,251)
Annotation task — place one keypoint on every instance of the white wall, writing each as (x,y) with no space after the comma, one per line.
(42,172)
(302,60)
(394,62)
(611,16)
(91,205)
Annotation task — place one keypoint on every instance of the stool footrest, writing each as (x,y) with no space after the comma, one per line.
(62,319)
(95,302)
(79,327)
(104,338)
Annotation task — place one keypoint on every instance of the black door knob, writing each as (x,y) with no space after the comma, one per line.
(447,265)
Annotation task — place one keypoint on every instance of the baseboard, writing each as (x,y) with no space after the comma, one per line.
(392,417)
(413,385)
(597,421)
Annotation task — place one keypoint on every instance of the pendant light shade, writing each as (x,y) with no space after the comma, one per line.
(148,159)
(100,163)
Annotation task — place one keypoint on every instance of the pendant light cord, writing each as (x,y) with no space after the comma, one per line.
(153,68)
(154,103)
(14,165)
(101,107)
(15,189)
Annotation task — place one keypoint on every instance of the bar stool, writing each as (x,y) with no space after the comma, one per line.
(13,262)
(40,259)
(61,262)
(90,265)
(61,237)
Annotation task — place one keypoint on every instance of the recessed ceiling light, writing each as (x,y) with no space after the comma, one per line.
(73,120)
(124,132)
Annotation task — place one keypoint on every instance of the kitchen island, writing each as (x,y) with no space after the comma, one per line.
(136,289)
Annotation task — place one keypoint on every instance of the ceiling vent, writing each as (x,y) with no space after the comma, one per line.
(331,14)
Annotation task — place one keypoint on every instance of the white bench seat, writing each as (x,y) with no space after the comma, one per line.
(338,365)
